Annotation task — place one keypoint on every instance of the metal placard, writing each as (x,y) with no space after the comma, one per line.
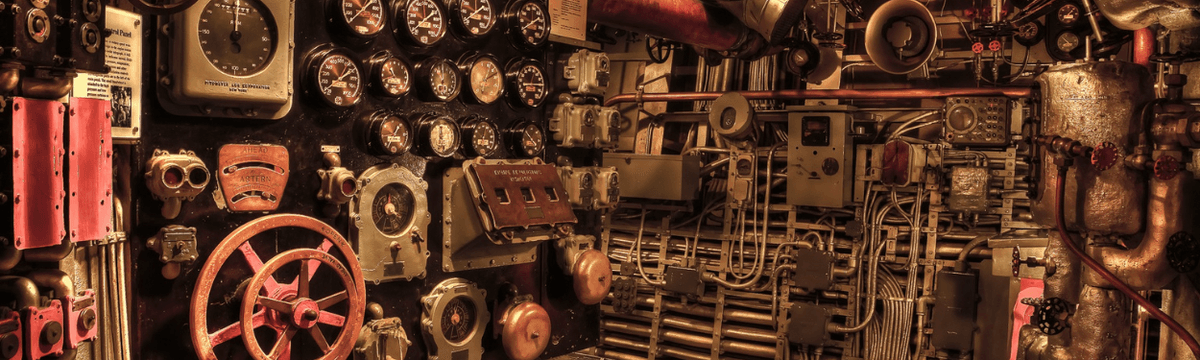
(518,195)
(252,177)
(122,85)
(91,171)
(37,173)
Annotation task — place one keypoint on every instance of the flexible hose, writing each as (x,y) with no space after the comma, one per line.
(1060,190)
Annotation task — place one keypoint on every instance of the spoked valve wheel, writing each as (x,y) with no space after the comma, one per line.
(285,308)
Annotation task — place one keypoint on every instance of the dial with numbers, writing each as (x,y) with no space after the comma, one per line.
(1067,41)
(1068,14)
(392,76)
(388,134)
(527,83)
(440,79)
(439,136)
(424,22)
(392,209)
(474,17)
(529,23)
(484,78)
(526,139)
(482,137)
(337,79)
(362,17)
(236,36)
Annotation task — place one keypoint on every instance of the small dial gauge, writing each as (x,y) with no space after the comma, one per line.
(236,36)
(1029,34)
(529,23)
(424,22)
(1068,14)
(337,79)
(526,139)
(475,17)
(485,78)
(482,137)
(1067,42)
(439,135)
(388,135)
(362,17)
(439,79)
(393,209)
(527,82)
(392,76)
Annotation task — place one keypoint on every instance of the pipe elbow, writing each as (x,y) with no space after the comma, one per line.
(55,280)
(20,290)
(10,256)
(1146,267)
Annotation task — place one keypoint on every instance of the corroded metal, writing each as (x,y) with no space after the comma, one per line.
(1094,103)
(1137,14)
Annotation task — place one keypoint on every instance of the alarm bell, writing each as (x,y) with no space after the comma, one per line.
(901,36)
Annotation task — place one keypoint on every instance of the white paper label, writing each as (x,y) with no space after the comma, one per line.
(123,83)
(568,18)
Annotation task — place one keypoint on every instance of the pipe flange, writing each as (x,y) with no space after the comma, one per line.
(1105,155)
(1182,252)
(1166,167)
(1051,316)
(454,319)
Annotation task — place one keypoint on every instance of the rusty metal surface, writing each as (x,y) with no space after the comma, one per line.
(528,200)
(1094,103)
(90,172)
(37,173)
(253,177)
(687,21)
(1137,14)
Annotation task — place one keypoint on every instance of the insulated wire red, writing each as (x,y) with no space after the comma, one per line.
(1108,276)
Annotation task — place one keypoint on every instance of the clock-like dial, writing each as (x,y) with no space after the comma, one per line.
(1068,14)
(440,79)
(486,79)
(392,76)
(482,137)
(439,136)
(337,80)
(526,139)
(424,22)
(392,209)
(529,23)
(475,17)
(388,135)
(236,36)
(1067,41)
(362,17)
(527,83)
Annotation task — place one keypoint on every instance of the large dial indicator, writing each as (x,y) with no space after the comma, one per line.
(529,23)
(439,136)
(482,137)
(337,79)
(527,83)
(236,36)
(474,17)
(424,22)
(392,209)
(388,134)
(362,17)
(391,76)
(485,79)
(440,79)
(526,139)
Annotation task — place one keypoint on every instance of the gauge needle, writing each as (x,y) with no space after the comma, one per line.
(360,11)
(425,21)
(237,11)
(531,24)
(477,10)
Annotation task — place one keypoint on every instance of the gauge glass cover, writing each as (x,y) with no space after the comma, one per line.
(476,16)
(532,140)
(363,17)
(532,23)
(393,209)
(1068,41)
(236,36)
(339,81)
(394,77)
(1068,14)
(393,135)
(485,138)
(487,81)
(424,21)
(530,85)
(443,80)
(443,137)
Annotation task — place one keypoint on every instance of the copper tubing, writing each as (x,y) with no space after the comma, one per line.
(1146,267)
(21,290)
(53,88)
(689,339)
(50,254)
(55,280)
(844,94)
(1143,46)
(686,21)
(10,76)
(10,256)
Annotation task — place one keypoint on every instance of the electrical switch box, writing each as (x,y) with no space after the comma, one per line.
(660,177)
(820,157)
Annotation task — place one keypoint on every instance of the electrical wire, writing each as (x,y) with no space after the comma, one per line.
(1060,190)
(637,255)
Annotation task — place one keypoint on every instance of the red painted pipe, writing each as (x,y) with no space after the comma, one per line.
(1143,46)
(844,94)
(686,21)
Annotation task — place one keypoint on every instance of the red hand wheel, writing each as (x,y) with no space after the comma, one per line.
(269,295)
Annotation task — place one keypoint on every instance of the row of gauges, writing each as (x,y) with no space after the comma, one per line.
(425,22)
(440,136)
(335,78)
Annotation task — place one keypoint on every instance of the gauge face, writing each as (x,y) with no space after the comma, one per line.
(441,136)
(1068,14)
(530,84)
(487,80)
(392,209)
(529,140)
(1067,41)
(393,77)
(532,23)
(237,36)
(424,21)
(443,80)
(477,17)
(363,17)
(391,135)
(483,138)
(338,80)
(458,320)
(961,118)
(1028,31)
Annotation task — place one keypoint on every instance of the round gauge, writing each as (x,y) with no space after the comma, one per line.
(439,79)
(474,17)
(1067,41)
(960,118)
(362,17)
(337,79)
(1029,34)
(392,209)
(439,136)
(236,36)
(458,320)
(392,76)
(482,137)
(389,135)
(526,139)
(1068,14)
(484,78)
(424,22)
(529,23)
(528,83)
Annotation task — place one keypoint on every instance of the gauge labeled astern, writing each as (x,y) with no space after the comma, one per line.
(236,36)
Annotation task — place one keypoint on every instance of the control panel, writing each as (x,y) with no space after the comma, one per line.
(977,121)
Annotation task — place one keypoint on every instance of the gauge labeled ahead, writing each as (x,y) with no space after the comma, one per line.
(526,139)
(424,22)
(485,79)
(482,137)
(439,136)
(392,209)
(527,82)
(237,36)
(439,79)
(474,17)
(529,23)
(361,17)
(388,134)
(392,76)
(336,79)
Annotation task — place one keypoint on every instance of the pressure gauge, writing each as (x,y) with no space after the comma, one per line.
(439,136)
(1067,41)
(474,18)
(1068,14)
(528,23)
(363,18)
(527,82)
(1030,33)
(335,78)
(391,75)
(424,22)
(485,79)
(392,209)
(236,36)
(388,134)
(481,135)
(439,79)
(526,139)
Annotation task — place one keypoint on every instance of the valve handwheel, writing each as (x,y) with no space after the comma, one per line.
(268,310)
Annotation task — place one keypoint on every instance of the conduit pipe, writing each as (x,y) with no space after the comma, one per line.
(1146,267)
(1143,46)
(686,21)
(806,94)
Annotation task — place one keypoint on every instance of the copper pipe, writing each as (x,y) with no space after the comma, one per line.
(1146,267)
(55,280)
(844,94)
(50,254)
(21,290)
(52,88)
(689,339)
(1143,46)
(10,76)
(686,21)
(10,256)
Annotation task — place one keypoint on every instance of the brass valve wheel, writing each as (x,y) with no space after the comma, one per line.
(205,339)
